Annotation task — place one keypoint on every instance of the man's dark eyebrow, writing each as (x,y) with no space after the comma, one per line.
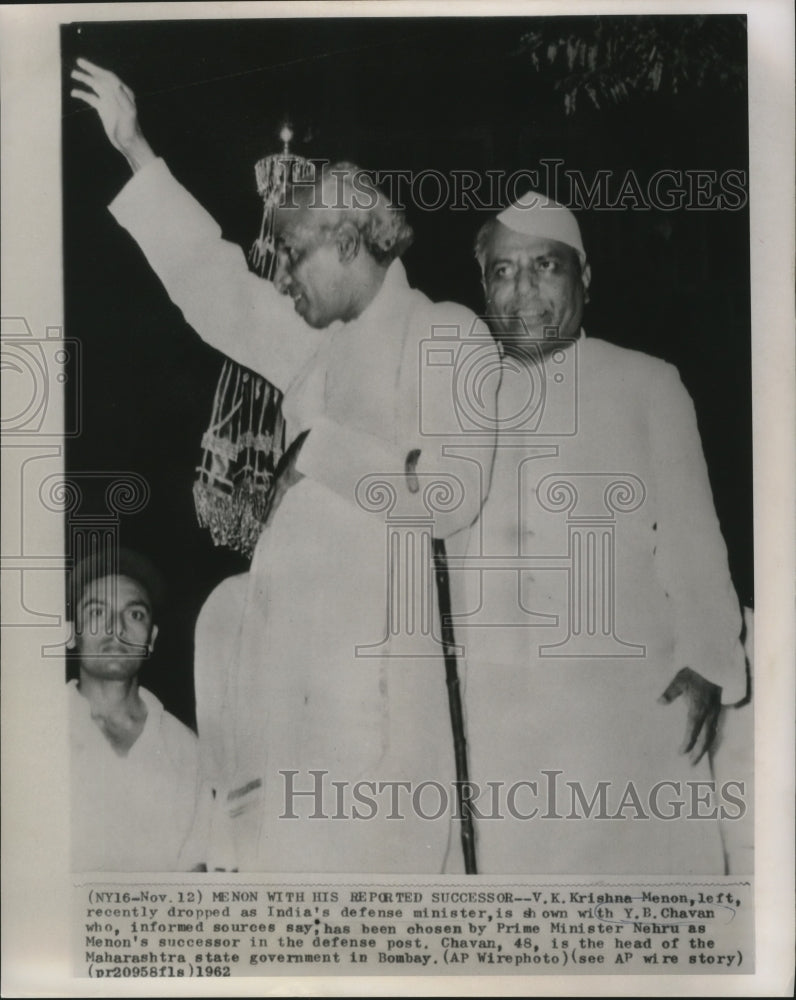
(138,602)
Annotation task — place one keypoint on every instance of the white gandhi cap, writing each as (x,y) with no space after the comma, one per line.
(535,214)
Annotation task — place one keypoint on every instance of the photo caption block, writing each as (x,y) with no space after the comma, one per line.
(269,926)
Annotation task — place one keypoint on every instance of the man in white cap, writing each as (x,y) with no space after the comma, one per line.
(596,607)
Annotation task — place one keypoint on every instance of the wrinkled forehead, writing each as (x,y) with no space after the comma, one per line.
(507,243)
(296,221)
(117,591)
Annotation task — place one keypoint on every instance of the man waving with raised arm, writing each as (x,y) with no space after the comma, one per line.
(298,684)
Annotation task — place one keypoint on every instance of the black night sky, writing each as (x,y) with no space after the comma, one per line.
(389,94)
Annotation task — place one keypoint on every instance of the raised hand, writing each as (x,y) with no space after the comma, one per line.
(114,102)
(704,706)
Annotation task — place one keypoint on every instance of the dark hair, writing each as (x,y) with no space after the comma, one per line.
(115,562)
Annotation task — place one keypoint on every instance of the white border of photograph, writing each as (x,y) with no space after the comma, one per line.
(36,898)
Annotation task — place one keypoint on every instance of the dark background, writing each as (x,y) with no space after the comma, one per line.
(388,94)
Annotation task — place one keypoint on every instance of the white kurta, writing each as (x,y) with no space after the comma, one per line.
(634,583)
(280,685)
(140,812)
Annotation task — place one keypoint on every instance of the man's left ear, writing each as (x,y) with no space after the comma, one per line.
(152,636)
(347,239)
(585,277)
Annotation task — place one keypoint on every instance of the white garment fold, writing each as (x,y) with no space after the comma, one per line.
(280,685)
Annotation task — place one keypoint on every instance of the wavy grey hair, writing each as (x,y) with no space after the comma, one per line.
(482,238)
(350,194)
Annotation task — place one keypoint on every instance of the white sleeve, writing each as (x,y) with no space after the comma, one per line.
(691,555)
(208,278)
(341,457)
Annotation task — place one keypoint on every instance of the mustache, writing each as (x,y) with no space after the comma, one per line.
(115,645)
